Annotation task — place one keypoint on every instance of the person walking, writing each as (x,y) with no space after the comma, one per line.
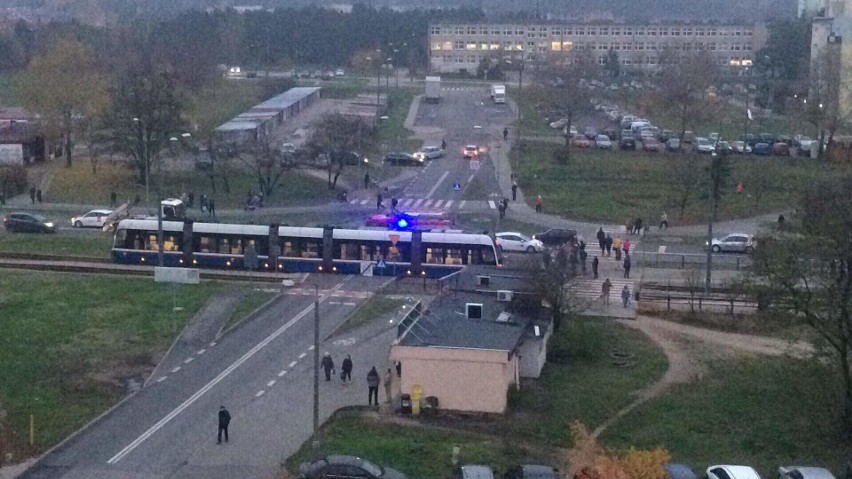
(379,200)
(38,196)
(190,197)
(538,203)
(625,296)
(32,194)
(606,287)
(505,134)
(373,386)
(327,365)
(501,208)
(616,245)
(224,422)
(595,267)
(601,240)
(583,256)
(514,190)
(626,265)
(664,220)
(626,246)
(608,245)
(366,180)
(388,386)
(394,203)
(637,226)
(443,144)
(112,198)
(346,369)
(211,207)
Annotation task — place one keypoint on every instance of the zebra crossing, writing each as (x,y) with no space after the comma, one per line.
(425,204)
(590,289)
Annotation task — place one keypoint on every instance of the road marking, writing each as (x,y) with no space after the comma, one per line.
(293,364)
(408,202)
(302,355)
(282,373)
(201,351)
(259,393)
(364,202)
(161,379)
(212,343)
(354,202)
(311,348)
(462,204)
(492,204)
(207,387)
(471,177)
(349,304)
(188,360)
(438,203)
(270,383)
(441,180)
(417,203)
(427,203)
(449,203)
(176,369)
(334,302)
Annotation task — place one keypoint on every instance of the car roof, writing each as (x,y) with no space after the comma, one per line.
(477,472)
(471,146)
(538,471)
(679,471)
(810,472)
(738,472)
(100,211)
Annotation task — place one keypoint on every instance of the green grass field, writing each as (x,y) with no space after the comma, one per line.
(94,245)
(373,309)
(71,342)
(616,186)
(761,412)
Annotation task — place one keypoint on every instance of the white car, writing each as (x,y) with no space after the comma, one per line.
(734,242)
(288,148)
(703,145)
(798,472)
(602,142)
(339,72)
(560,123)
(430,152)
(470,152)
(512,241)
(92,219)
(731,472)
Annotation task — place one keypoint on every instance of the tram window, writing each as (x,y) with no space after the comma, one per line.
(170,243)
(236,247)
(311,250)
(435,255)
(152,243)
(347,251)
(206,244)
(224,246)
(289,248)
(454,256)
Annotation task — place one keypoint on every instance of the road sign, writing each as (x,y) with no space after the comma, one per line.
(381,264)
(474,164)
(457,186)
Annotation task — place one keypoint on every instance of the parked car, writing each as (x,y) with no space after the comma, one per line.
(92,219)
(713,136)
(556,236)
(724,147)
(473,472)
(590,132)
(513,241)
(612,134)
(704,146)
(646,133)
(345,467)
(569,130)
(627,142)
(626,121)
(602,142)
(339,72)
(403,159)
(673,144)
(532,471)
(580,141)
(560,123)
(780,148)
(679,471)
(762,148)
(688,137)
(798,472)
(734,243)
(665,135)
(766,138)
(740,147)
(803,144)
(650,144)
(470,152)
(27,223)
(430,152)
(750,139)
(731,472)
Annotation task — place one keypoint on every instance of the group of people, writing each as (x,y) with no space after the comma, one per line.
(373,379)
(35,195)
(607,244)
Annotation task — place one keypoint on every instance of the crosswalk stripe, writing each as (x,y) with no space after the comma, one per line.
(364,202)
(492,204)
(354,201)
(438,203)
(449,203)
(408,202)
(462,204)
(417,203)
(427,203)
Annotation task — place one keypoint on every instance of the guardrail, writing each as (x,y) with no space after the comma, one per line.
(684,260)
(677,297)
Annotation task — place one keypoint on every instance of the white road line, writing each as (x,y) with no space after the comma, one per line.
(417,203)
(492,204)
(427,203)
(354,202)
(311,348)
(349,304)
(449,203)
(161,379)
(364,202)
(293,364)
(282,373)
(270,383)
(188,360)
(441,180)
(207,387)
(407,202)
(259,393)
(662,249)
(462,204)
(176,369)
(302,355)
(334,302)
(470,178)
(438,203)
(212,343)
(201,351)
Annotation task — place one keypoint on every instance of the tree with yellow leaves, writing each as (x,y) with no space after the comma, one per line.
(589,460)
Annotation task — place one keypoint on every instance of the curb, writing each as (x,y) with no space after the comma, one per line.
(251,316)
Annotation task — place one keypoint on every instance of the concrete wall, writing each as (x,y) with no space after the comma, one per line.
(462,379)
(533,355)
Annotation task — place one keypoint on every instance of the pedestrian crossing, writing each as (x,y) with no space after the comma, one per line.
(590,289)
(427,204)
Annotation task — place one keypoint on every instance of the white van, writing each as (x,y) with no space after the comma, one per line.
(636,126)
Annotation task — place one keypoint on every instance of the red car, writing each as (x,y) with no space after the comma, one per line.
(650,144)
(580,141)
(780,148)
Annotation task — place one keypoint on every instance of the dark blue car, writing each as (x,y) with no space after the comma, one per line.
(762,149)
(679,471)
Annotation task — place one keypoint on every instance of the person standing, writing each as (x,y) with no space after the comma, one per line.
(505,134)
(625,296)
(346,369)
(366,180)
(608,245)
(394,203)
(626,265)
(514,190)
(327,365)
(601,240)
(664,220)
(211,207)
(606,287)
(379,200)
(595,267)
(224,422)
(32,194)
(616,245)
(637,226)
(388,386)
(538,203)
(373,386)
(38,196)
(626,246)
(501,208)
(583,256)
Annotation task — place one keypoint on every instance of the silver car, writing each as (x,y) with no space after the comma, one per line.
(797,472)
(735,243)
(512,241)
(602,142)
(430,152)
(92,219)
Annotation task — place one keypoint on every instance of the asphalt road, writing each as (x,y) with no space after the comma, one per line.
(262,372)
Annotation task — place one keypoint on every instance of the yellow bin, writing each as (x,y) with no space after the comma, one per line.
(416,396)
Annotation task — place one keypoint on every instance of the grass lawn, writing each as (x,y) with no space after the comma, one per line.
(765,413)
(615,186)
(78,185)
(250,301)
(95,244)
(70,343)
(373,309)
(532,105)
(419,452)
(222,101)
(580,382)
(392,134)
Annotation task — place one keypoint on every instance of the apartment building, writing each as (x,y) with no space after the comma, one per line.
(831,57)
(457,48)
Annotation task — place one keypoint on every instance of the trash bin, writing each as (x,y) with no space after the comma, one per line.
(430,406)
(405,404)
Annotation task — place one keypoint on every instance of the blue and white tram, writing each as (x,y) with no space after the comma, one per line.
(297,249)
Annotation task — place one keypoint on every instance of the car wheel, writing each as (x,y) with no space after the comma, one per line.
(716,248)
(749,250)
(530,249)
(78,224)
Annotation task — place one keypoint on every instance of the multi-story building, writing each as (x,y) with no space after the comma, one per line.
(462,47)
(831,59)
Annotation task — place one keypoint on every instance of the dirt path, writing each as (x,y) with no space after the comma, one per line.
(684,369)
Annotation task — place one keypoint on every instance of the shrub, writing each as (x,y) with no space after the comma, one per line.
(13,180)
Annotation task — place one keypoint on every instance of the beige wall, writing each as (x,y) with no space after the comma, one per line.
(461,379)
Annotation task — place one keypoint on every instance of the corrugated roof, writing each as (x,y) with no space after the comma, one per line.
(241,125)
(288,98)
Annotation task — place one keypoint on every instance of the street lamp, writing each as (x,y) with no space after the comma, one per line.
(315,441)
(143,151)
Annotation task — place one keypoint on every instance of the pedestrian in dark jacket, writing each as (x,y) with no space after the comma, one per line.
(32,194)
(608,245)
(379,200)
(373,385)
(601,240)
(626,265)
(595,267)
(583,256)
(39,198)
(346,369)
(514,190)
(366,180)
(211,207)
(327,366)
(224,421)
(625,296)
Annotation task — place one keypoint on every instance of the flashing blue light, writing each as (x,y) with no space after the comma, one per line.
(402,223)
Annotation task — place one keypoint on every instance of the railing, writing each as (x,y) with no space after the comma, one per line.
(688,260)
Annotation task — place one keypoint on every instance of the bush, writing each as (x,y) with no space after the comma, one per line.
(578,340)
(13,180)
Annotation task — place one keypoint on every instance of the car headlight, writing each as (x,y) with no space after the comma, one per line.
(49,224)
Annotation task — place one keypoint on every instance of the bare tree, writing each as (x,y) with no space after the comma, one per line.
(266,163)
(684,181)
(565,75)
(551,279)
(825,107)
(337,136)
(684,80)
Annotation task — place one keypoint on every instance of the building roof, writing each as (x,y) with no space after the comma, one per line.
(239,125)
(18,132)
(288,98)
(498,280)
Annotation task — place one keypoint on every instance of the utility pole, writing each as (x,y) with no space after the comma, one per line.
(315,441)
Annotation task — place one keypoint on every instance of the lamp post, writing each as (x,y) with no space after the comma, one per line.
(143,152)
(315,441)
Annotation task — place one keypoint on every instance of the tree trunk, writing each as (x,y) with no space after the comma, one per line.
(67,139)
(847,392)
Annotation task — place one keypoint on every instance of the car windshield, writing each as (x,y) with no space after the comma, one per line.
(39,218)
(602,138)
(704,142)
(523,237)
(371,468)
